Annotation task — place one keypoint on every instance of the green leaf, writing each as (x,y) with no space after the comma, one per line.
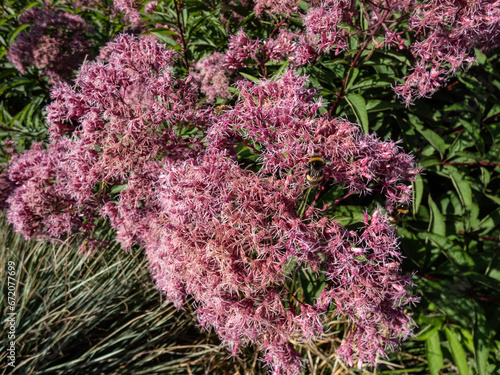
(283,67)
(358,105)
(457,351)
(467,339)
(12,35)
(438,224)
(351,78)
(494,198)
(462,187)
(445,244)
(480,335)
(166,39)
(480,57)
(418,192)
(250,77)
(118,188)
(490,222)
(427,332)
(375,81)
(429,161)
(434,353)
(435,140)
(475,132)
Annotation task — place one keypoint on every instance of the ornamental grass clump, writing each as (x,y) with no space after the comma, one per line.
(220,204)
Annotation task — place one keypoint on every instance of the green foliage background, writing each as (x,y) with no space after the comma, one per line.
(450,238)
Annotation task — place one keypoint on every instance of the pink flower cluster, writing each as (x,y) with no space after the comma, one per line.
(322,25)
(447,32)
(277,6)
(132,144)
(280,118)
(41,206)
(130,10)
(126,113)
(55,43)
(214,77)
(224,236)
(216,69)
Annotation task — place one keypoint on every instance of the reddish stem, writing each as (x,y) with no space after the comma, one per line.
(337,201)
(178,6)
(474,235)
(358,55)
(491,118)
(481,298)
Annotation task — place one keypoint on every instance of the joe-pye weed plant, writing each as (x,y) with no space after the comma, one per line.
(217,196)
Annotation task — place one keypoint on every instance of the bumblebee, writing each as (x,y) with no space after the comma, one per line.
(315,174)
(399,212)
(219,109)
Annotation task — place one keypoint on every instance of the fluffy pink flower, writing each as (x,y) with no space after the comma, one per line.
(150,7)
(322,25)
(280,119)
(126,113)
(41,205)
(164,170)
(230,238)
(240,49)
(277,6)
(283,45)
(448,32)
(225,236)
(130,10)
(55,43)
(214,77)
(293,47)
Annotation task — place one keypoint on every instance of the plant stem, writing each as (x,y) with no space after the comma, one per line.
(474,235)
(355,61)
(182,30)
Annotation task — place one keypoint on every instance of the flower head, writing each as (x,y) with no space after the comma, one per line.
(214,76)
(55,43)
(448,32)
(281,119)
(126,111)
(41,206)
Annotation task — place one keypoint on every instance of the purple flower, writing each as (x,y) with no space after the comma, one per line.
(448,32)
(125,111)
(225,236)
(131,143)
(280,118)
(240,49)
(150,7)
(130,10)
(41,206)
(230,238)
(276,6)
(322,25)
(55,43)
(214,77)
